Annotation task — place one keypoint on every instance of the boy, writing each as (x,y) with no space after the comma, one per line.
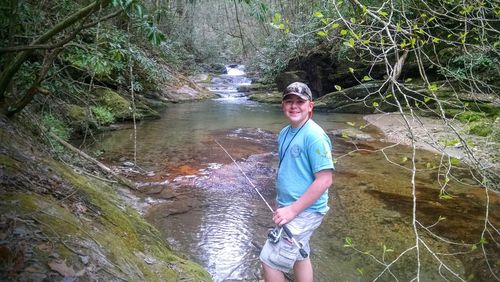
(304,176)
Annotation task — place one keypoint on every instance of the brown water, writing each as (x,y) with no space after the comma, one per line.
(206,208)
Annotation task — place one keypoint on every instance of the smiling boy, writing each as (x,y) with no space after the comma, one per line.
(304,176)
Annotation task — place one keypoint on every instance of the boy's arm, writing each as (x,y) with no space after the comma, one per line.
(322,181)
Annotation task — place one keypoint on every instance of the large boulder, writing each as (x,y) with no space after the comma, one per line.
(286,78)
(365,98)
(119,106)
(122,108)
(323,69)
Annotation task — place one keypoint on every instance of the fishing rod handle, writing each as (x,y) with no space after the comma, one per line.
(302,252)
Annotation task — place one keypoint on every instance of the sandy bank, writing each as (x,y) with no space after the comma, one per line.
(437,136)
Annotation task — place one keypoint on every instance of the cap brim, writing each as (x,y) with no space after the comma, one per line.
(302,96)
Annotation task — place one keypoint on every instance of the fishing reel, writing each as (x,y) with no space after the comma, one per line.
(274,235)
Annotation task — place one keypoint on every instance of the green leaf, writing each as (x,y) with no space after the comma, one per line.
(139,10)
(450,142)
(383,13)
(335,25)
(483,241)
(338,87)
(404,159)
(345,135)
(348,242)
(366,78)
(389,95)
(276,18)
(408,79)
(454,161)
(318,14)
(398,27)
(445,196)
(353,20)
(351,70)
(351,123)
(350,43)
(436,40)
(343,32)
(375,104)
(433,87)
(363,7)
(322,33)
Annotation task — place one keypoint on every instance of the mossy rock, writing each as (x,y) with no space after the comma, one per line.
(266,97)
(464,116)
(481,128)
(143,111)
(119,106)
(80,118)
(256,87)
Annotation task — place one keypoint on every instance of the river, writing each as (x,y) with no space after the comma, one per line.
(206,208)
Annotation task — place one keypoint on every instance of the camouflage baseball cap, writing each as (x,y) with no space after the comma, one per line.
(300,89)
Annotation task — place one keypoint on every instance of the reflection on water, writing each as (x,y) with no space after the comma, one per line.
(210,212)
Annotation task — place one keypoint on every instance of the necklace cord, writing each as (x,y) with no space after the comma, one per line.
(282,156)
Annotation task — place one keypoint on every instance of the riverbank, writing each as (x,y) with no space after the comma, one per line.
(437,136)
(64,220)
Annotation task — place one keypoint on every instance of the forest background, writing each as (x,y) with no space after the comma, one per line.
(74,67)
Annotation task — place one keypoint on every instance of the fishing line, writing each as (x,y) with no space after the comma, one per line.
(302,252)
(248,179)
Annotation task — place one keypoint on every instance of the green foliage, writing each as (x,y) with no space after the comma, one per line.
(53,124)
(476,65)
(105,56)
(93,61)
(273,57)
(151,70)
(481,128)
(103,115)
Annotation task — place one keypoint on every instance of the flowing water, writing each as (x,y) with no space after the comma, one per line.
(206,208)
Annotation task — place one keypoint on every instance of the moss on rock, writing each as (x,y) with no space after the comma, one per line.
(117,104)
(266,97)
(64,224)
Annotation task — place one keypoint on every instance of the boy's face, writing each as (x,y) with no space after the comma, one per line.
(296,109)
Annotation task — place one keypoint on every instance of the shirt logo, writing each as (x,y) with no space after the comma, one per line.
(295,151)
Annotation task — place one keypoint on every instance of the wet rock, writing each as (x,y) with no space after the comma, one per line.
(202,77)
(128,164)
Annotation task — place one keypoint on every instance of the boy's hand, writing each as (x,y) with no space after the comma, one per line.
(283,215)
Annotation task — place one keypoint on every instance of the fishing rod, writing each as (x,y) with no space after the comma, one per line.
(303,253)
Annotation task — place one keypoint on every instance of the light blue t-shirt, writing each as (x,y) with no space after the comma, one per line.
(302,153)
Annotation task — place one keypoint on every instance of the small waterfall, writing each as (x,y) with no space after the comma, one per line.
(226,85)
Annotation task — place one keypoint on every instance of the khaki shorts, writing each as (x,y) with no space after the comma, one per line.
(282,255)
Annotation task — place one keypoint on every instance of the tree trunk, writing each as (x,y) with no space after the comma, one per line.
(11,69)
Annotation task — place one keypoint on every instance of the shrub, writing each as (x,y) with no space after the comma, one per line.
(103,115)
(53,124)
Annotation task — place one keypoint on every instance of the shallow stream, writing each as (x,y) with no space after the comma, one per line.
(206,209)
